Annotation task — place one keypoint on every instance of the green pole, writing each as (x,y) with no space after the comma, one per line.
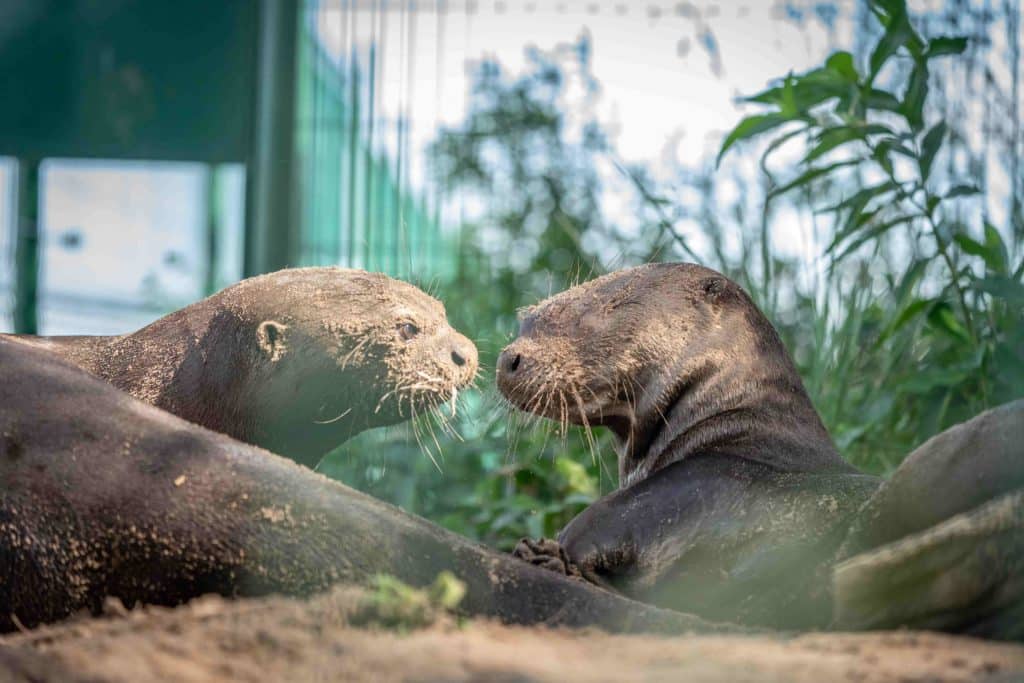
(212,229)
(26,250)
(272,228)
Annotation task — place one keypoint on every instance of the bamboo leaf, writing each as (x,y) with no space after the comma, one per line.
(969,244)
(873,232)
(881,99)
(830,138)
(862,197)
(911,311)
(999,259)
(930,147)
(749,127)
(842,64)
(809,175)
(946,45)
(912,107)
(961,191)
(778,142)
(942,318)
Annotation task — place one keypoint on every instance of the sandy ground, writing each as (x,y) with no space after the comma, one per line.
(278,639)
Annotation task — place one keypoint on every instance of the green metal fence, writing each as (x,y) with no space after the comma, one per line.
(355,207)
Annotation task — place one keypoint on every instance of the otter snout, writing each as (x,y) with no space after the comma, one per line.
(508,361)
(513,368)
(462,353)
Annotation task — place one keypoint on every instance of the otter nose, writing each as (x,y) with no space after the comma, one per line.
(463,355)
(509,361)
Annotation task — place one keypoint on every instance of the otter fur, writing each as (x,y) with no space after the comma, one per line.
(295,361)
(732,494)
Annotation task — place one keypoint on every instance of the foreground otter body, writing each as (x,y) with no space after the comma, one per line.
(729,482)
(734,502)
(941,543)
(295,361)
(101,494)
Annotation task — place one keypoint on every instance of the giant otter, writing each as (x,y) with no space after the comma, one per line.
(295,361)
(101,494)
(732,494)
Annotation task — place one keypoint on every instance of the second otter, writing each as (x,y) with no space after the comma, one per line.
(283,360)
(732,493)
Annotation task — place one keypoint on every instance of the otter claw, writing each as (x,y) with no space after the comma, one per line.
(548,554)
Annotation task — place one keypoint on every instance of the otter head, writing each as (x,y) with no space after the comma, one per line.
(332,352)
(673,358)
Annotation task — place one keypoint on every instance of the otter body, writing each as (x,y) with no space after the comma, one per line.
(103,495)
(731,491)
(296,361)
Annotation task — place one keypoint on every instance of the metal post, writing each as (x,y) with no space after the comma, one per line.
(213,228)
(272,229)
(26,249)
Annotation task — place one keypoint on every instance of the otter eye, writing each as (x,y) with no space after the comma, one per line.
(407,331)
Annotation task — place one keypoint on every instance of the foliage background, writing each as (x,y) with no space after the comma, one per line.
(909,319)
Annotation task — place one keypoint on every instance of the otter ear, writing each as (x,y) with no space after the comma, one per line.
(271,337)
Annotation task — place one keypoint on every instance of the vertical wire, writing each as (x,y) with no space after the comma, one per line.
(413,239)
(438,192)
(396,226)
(343,228)
(311,236)
(371,119)
(373,218)
(353,109)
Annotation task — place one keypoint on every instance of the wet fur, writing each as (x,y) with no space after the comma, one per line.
(295,361)
(725,468)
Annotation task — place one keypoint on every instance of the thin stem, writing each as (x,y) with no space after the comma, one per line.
(941,244)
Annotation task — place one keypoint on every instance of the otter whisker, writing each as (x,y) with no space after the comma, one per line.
(586,426)
(333,419)
(352,352)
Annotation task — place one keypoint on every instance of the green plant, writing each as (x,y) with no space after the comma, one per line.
(947,336)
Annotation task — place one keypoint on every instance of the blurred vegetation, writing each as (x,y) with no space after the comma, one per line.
(909,319)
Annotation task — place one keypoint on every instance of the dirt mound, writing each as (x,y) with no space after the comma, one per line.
(278,639)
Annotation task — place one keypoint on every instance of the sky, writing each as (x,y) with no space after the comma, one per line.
(658,81)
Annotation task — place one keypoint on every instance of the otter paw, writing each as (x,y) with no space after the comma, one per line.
(547,553)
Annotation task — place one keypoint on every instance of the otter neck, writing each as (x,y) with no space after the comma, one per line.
(756,410)
(175,365)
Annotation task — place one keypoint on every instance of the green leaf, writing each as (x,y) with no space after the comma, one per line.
(871,233)
(749,127)
(898,33)
(942,318)
(909,312)
(881,99)
(910,280)
(930,147)
(787,105)
(946,45)
(809,175)
(805,91)
(891,41)
(998,259)
(969,245)
(912,107)
(961,191)
(889,7)
(830,138)
(842,64)
(881,155)
(862,197)
(778,142)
